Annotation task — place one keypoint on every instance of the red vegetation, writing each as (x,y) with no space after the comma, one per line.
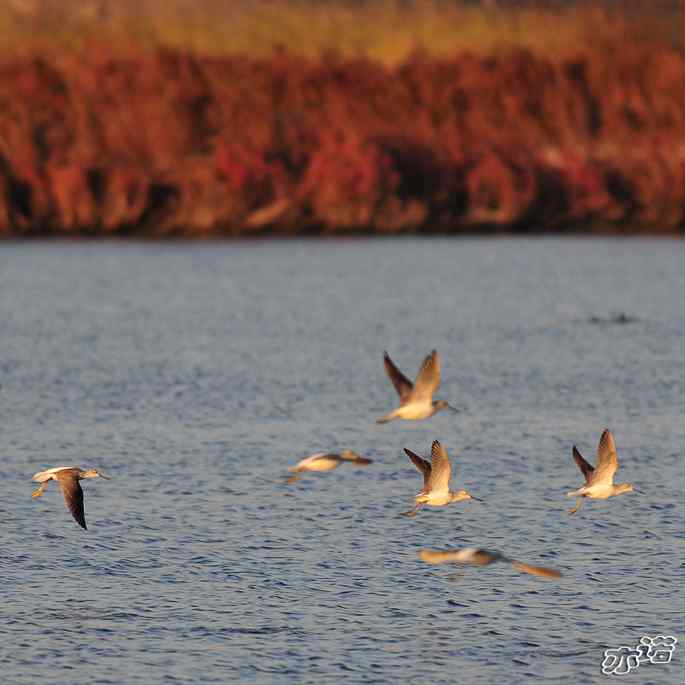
(179,145)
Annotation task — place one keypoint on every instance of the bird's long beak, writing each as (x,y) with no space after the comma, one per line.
(102,475)
(639,492)
(454,409)
(478,499)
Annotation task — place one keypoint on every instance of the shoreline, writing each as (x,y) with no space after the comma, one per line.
(613,236)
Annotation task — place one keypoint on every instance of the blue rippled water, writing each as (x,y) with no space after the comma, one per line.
(194,374)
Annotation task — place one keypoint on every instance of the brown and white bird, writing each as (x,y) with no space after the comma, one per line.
(436,480)
(326,461)
(481,557)
(68,478)
(599,479)
(416,400)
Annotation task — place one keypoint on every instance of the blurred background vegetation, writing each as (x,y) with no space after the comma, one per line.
(203,118)
(387,30)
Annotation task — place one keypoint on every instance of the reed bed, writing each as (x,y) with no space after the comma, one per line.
(158,139)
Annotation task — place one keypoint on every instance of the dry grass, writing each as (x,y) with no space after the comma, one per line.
(386,30)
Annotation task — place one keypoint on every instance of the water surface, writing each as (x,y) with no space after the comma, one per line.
(193,374)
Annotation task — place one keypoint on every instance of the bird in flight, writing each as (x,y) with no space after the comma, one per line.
(599,479)
(68,478)
(482,557)
(416,400)
(322,461)
(436,480)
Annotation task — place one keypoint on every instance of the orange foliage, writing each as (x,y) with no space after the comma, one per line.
(179,145)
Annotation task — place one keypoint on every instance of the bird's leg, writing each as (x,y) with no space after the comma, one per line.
(39,491)
(579,501)
(412,512)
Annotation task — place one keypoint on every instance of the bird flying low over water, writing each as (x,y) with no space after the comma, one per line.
(481,557)
(416,400)
(68,478)
(324,461)
(599,479)
(436,480)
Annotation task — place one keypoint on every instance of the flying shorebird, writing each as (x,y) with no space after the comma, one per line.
(325,461)
(68,478)
(481,557)
(416,401)
(436,480)
(599,479)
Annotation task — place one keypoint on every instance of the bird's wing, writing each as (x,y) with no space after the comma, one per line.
(73,496)
(402,384)
(607,460)
(437,556)
(541,571)
(312,457)
(440,469)
(468,555)
(42,476)
(421,464)
(585,468)
(428,378)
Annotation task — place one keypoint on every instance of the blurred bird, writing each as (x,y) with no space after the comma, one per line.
(481,557)
(436,480)
(68,478)
(599,480)
(416,401)
(323,461)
